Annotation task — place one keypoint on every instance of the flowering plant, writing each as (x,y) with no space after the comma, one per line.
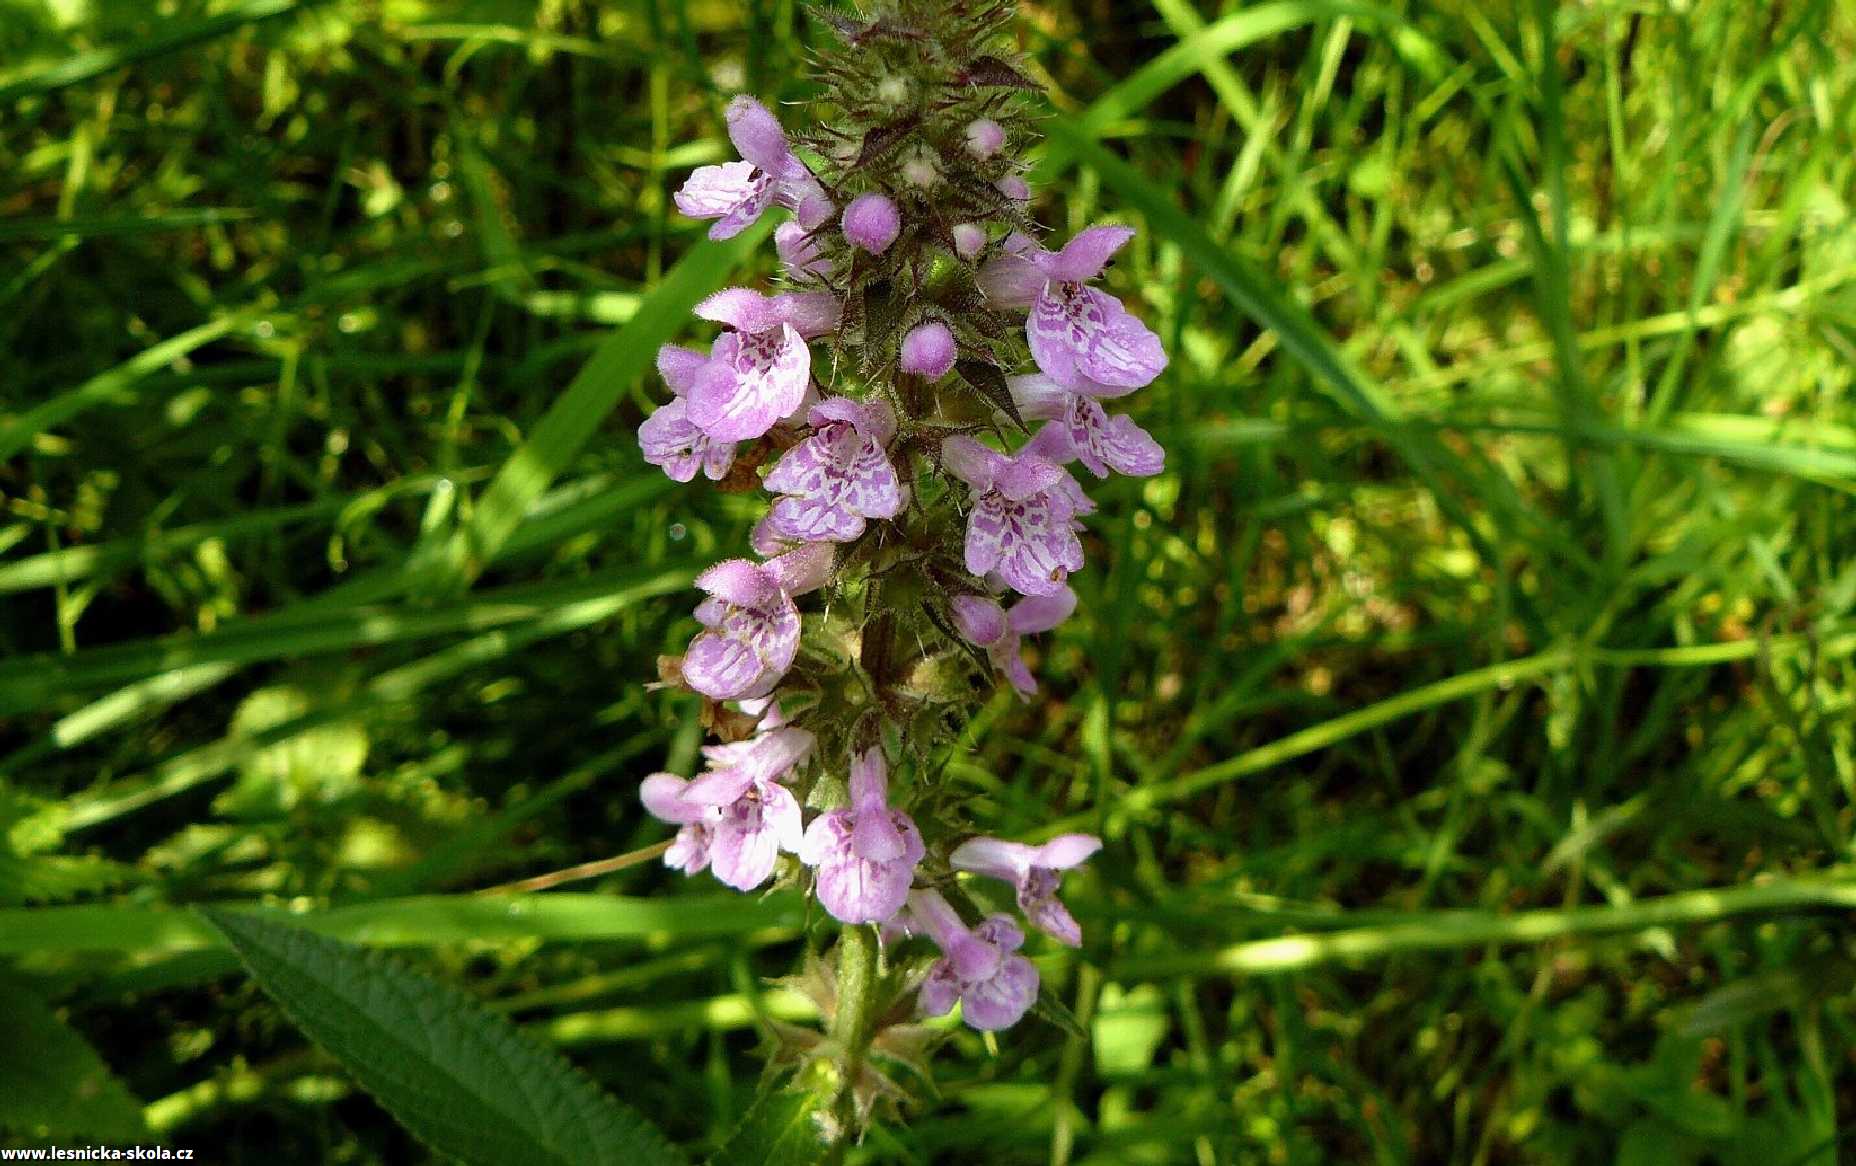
(887,388)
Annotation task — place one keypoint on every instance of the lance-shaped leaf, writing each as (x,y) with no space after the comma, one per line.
(458,1076)
(781,1129)
(992,72)
(52,1083)
(989,382)
(881,140)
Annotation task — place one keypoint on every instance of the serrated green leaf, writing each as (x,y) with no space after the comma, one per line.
(778,1130)
(458,1076)
(29,826)
(63,1089)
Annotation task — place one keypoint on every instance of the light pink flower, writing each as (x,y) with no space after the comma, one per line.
(872,222)
(969,239)
(736,817)
(737,193)
(1035,872)
(668,437)
(751,624)
(929,350)
(866,855)
(799,251)
(838,477)
(985,137)
(1023,518)
(979,968)
(759,372)
(983,622)
(1101,441)
(1080,337)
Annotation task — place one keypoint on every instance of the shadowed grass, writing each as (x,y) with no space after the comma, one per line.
(1468,705)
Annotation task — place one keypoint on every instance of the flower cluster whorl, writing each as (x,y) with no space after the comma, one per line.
(911,256)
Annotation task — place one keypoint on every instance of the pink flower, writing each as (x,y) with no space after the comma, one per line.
(668,437)
(985,623)
(979,968)
(1102,442)
(1080,337)
(1035,871)
(751,624)
(866,855)
(798,249)
(760,371)
(929,350)
(737,193)
(1022,523)
(872,222)
(838,477)
(737,817)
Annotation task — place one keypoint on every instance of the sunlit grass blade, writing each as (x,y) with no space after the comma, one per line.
(421,921)
(570,422)
(1438,930)
(171,36)
(32,681)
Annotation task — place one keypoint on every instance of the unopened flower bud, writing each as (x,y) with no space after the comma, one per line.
(892,90)
(929,350)
(922,169)
(1014,188)
(872,222)
(969,240)
(985,137)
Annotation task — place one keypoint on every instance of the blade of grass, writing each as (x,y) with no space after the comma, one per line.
(571,421)
(378,697)
(18,431)
(1496,677)
(1295,329)
(419,921)
(171,36)
(31,682)
(1443,930)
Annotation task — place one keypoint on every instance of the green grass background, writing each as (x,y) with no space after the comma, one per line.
(1468,707)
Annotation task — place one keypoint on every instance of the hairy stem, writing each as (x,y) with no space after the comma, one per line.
(851,1027)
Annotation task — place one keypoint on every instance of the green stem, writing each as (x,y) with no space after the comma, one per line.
(853,1025)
